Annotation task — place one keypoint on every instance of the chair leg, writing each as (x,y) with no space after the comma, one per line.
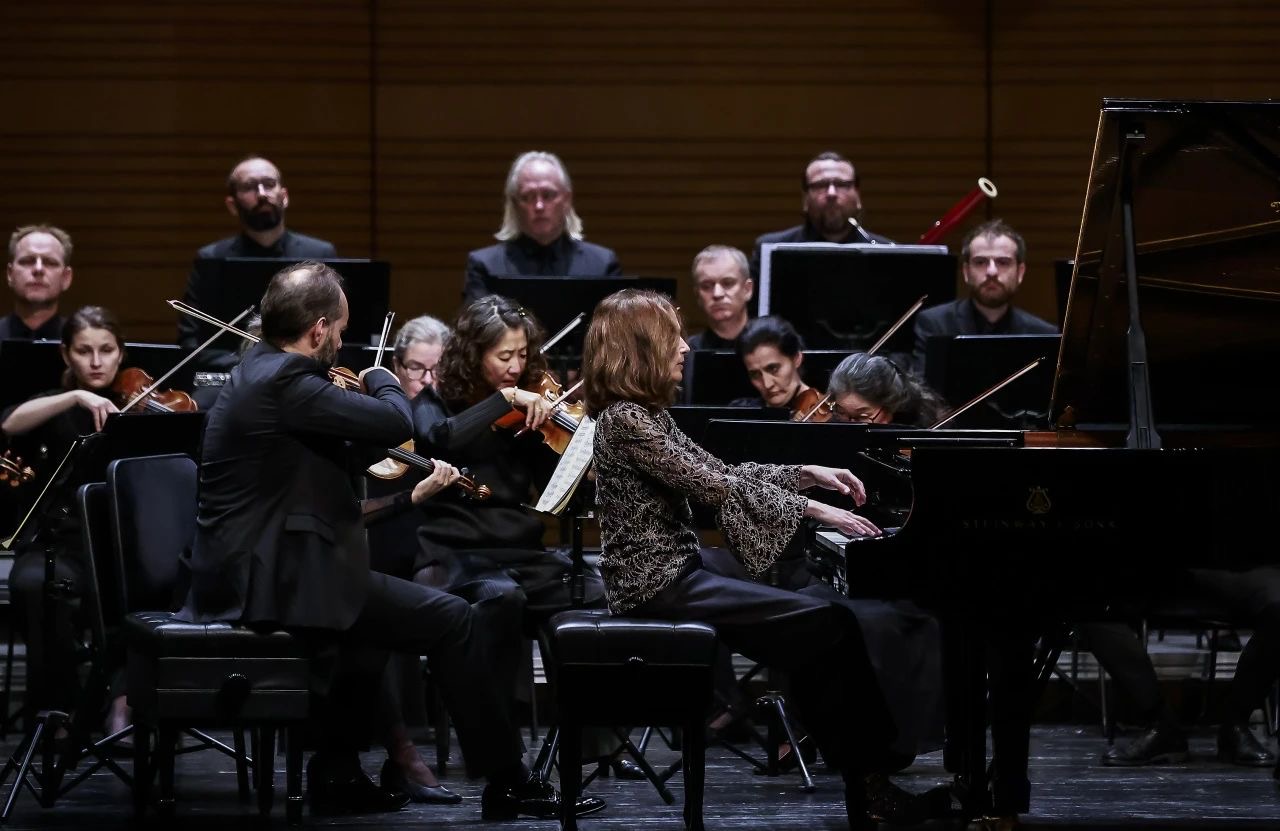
(570,773)
(142,769)
(164,755)
(442,733)
(265,767)
(242,763)
(694,756)
(293,776)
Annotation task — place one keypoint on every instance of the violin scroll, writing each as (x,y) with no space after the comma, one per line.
(13,472)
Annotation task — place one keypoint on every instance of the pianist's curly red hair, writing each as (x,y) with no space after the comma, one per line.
(627,352)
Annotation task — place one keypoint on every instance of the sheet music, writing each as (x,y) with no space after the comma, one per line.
(573,465)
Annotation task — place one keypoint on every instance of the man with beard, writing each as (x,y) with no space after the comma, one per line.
(257,197)
(541,233)
(832,208)
(39,272)
(993,259)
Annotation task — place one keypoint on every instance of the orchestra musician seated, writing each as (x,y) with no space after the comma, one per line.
(93,350)
(993,262)
(870,389)
(725,288)
(39,271)
(392,521)
(773,355)
(1252,598)
(832,207)
(541,233)
(280,541)
(647,471)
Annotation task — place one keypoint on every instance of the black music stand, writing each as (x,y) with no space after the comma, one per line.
(692,419)
(847,296)
(122,436)
(962,367)
(225,286)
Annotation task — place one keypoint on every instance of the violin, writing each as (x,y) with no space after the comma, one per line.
(13,471)
(400,459)
(811,405)
(134,387)
(557,431)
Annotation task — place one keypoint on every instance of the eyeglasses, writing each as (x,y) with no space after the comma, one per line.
(841,186)
(252,185)
(859,417)
(535,195)
(1001,262)
(415,371)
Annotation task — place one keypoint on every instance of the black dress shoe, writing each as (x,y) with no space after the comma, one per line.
(1159,745)
(346,791)
(886,802)
(1238,745)
(533,798)
(393,779)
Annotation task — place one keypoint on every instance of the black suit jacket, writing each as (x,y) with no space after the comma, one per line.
(959,317)
(279,536)
(291,247)
(803,233)
(566,257)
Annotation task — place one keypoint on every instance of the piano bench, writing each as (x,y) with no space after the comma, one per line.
(623,672)
(183,675)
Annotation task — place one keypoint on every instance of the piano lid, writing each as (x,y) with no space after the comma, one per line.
(1206,208)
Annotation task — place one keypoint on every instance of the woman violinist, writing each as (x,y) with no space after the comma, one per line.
(869,389)
(773,354)
(492,550)
(92,349)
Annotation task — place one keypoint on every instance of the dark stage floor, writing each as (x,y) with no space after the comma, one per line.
(1071,791)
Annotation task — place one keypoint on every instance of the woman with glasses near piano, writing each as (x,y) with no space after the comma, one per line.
(646,473)
(870,389)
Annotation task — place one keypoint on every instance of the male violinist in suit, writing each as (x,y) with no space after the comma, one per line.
(279,541)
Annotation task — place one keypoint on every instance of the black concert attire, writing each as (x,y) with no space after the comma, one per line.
(807,233)
(52,655)
(1251,597)
(291,247)
(280,541)
(523,256)
(647,470)
(12,328)
(961,317)
(709,340)
(492,550)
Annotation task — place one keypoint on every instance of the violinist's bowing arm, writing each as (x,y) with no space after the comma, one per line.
(29,415)
(314,405)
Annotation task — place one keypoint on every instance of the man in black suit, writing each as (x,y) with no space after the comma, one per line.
(541,233)
(39,271)
(724,290)
(257,197)
(280,542)
(832,208)
(993,260)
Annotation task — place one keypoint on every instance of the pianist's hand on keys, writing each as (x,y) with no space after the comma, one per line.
(846,522)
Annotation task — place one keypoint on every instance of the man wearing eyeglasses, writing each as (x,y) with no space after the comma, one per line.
(832,208)
(257,197)
(541,233)
(993,261)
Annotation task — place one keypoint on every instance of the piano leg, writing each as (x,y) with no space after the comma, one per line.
(965,755)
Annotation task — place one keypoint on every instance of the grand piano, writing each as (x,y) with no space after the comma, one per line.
(1165,403)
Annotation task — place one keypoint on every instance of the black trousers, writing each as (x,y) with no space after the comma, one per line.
(1250,597)
(402,616)
(817,642)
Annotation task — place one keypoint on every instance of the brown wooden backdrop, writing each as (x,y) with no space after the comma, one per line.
(683,123)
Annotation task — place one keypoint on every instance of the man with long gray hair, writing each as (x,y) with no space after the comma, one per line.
(541,233)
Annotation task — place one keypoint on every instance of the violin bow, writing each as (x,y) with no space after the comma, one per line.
(382,342)
(156,383)
(915,307)
(566,329)
(192,311)
(985,395)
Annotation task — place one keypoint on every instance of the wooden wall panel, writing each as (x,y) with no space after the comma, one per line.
(394,121)
(124,119)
